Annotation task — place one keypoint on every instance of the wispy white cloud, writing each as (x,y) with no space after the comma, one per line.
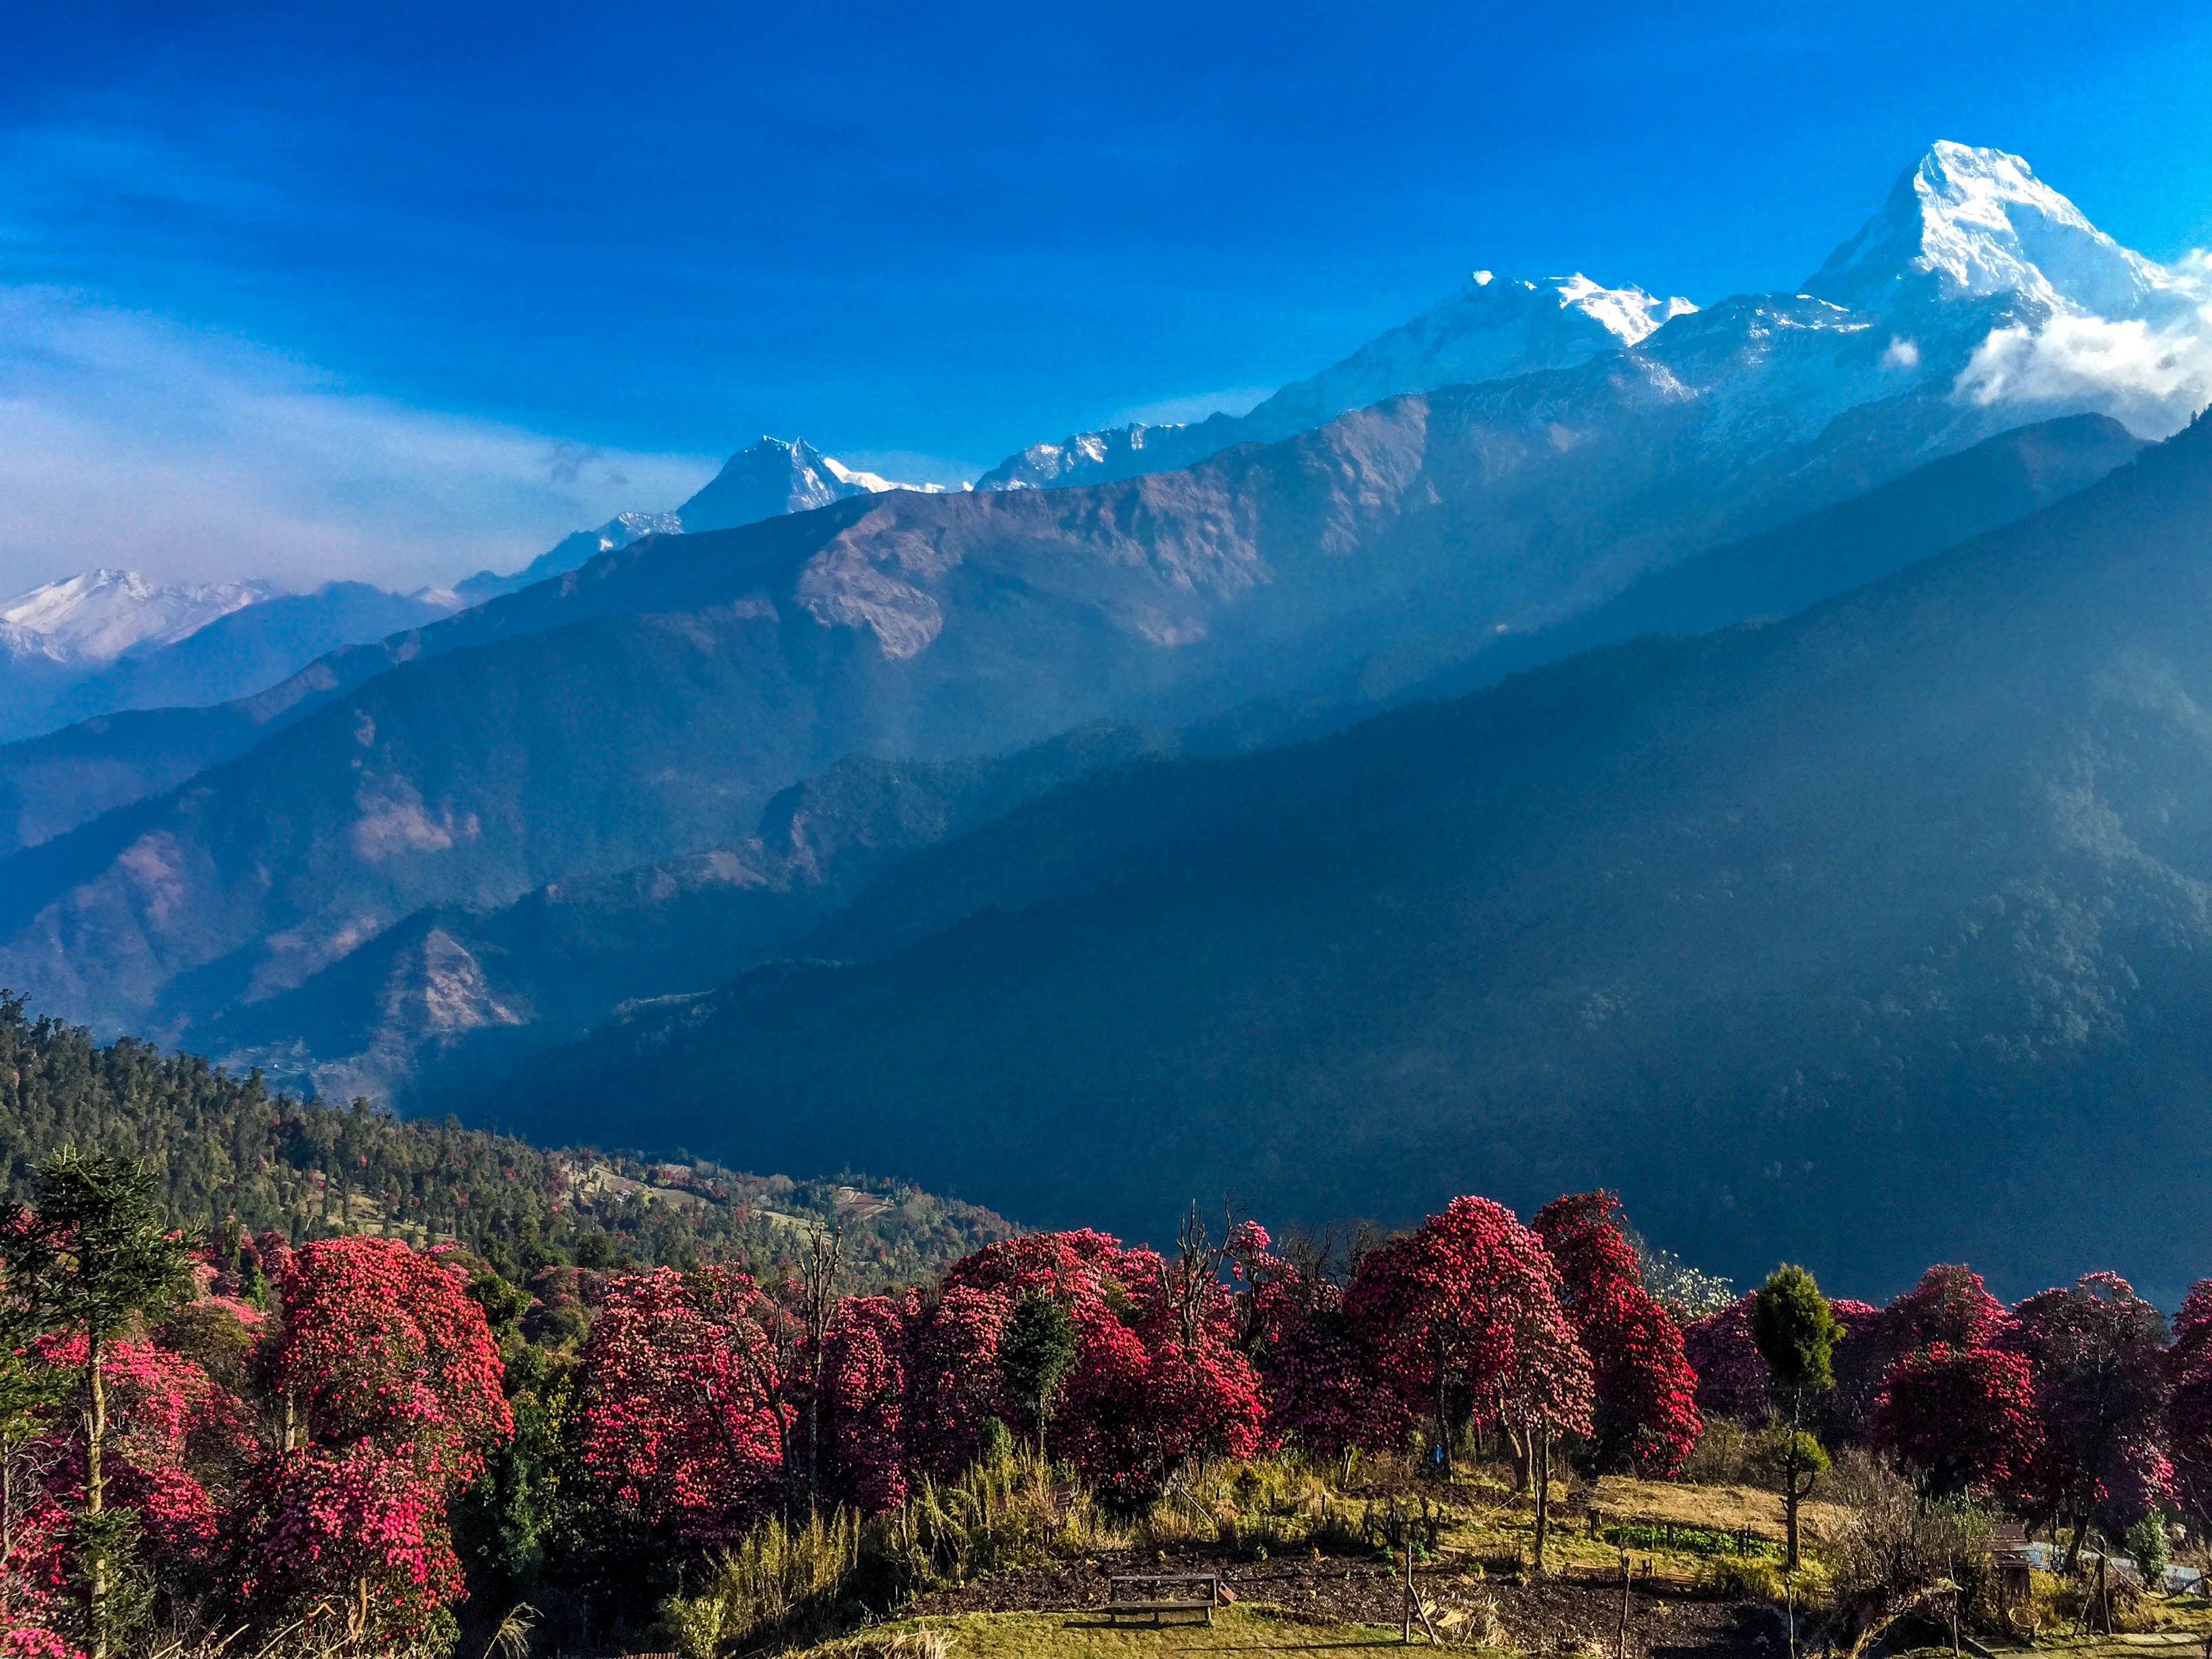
(2153,378)
(127,439)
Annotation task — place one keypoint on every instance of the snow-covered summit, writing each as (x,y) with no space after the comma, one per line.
(774,478)
(1489,328)
(1964,223)
(86,620)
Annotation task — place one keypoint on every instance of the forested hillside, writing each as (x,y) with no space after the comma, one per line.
(225,1150)
(1842,936)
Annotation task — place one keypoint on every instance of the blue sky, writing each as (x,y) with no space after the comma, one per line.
(398,290)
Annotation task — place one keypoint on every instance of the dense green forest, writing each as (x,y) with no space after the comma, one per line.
(225,1149)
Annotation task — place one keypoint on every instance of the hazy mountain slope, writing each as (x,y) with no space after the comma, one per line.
(434,1000)
(434,1008)
(693,677)
(1780,572)
(580,547)
(1882,933)
(766,481)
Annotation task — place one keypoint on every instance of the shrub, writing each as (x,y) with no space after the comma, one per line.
(775,1574)
(1740,1578)
(2146,1541)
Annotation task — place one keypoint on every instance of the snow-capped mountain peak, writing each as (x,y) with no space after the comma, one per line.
(1965,222)
(774,478)
(1489,328)
(95,618)
(1627,314)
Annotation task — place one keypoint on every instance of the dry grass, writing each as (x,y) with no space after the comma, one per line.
(1063,1636)
(1623,1499)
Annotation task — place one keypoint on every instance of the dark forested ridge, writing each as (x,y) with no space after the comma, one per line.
(1872,936)
(225,1149)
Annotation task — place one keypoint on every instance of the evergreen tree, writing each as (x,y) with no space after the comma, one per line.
(1797,1331)
(93,1257)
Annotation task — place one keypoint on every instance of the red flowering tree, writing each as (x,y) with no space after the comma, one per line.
(2189,1402)
(1322,1385)
(1964,1416)
(391,1398)
(1158,1375)
(356,1539)
(172,1434)
(1465,1313)
(683,1418)
(864,1385)
(1645,1415)
(1732,1379)
(1950,1305)
(2096,1352)
(383,1346)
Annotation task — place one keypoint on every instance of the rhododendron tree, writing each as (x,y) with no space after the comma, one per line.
(92,1257)
(1964,1416)
(171,1432)
(354,1541)
(392,1397)
(864,1387)
(1732,1380)
(1950,1305)
(1321,1379)
(683,1419)
(1645,1415)
(1465,1312)
(952,1380)
(1157,1375)
(2189,1404)
(383,1345)
(2095,1351)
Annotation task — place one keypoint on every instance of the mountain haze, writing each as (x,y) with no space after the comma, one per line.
(1847,935)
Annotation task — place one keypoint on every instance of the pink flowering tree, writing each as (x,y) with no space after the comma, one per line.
(1465,1313)
(684,1421)
(2096,1353)
(1645,1415)
(2189,1401)
(1323,1391)
(390,1398)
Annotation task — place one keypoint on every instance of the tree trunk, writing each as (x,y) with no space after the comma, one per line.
(1540,1456)
(95,1500)
(1790,1486)
(2074,1545)
(814,1449)
(1444,1422)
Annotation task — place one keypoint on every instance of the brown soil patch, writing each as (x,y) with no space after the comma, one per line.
(1551,1615)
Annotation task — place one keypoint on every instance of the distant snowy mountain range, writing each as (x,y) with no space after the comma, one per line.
(92,619)
(1976,282)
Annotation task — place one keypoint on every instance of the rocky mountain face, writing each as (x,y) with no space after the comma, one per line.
(649,704)
(435,1009)
(436,1005)
(1844,935)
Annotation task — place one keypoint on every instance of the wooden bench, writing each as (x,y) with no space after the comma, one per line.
(1155,1594)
